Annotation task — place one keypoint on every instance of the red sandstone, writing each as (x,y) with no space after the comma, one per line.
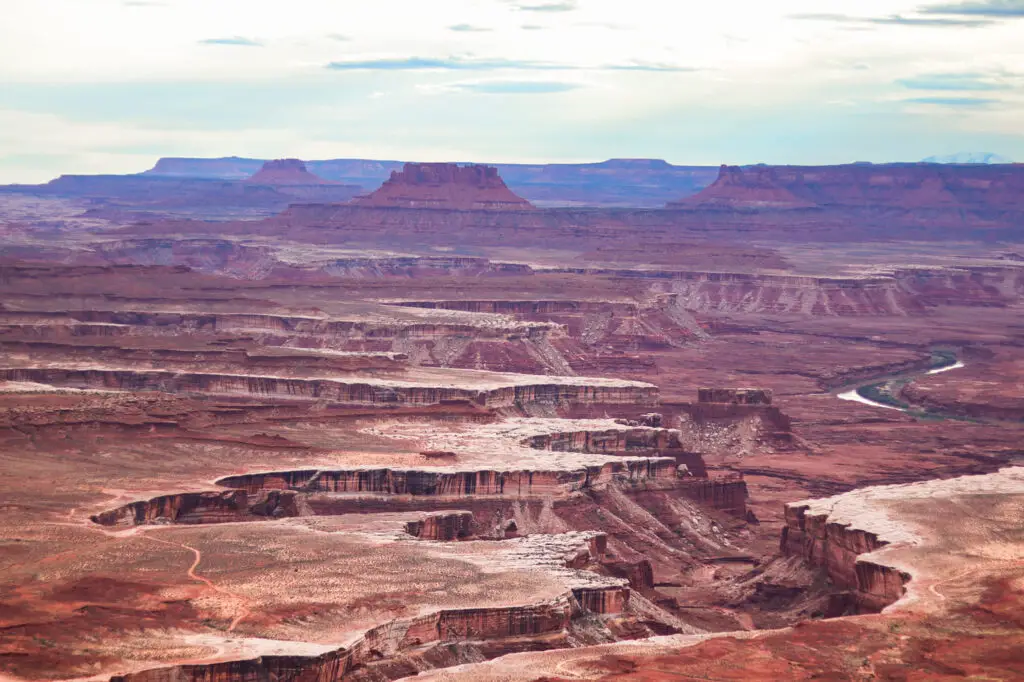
(445,186)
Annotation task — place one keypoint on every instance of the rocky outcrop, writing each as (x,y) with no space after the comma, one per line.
(735,396)
(639,574)
(443,527)
(836,548)
(445,186)
(206,507)
(727,493)
(190,508)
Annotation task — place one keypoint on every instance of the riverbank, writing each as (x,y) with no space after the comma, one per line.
(884,394)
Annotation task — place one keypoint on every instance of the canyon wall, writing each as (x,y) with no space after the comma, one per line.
(348,391)
(461,483)
(836,548)
(515,625)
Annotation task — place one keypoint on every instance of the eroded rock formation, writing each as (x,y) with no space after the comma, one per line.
(285,172)
(735,396)
(445,186)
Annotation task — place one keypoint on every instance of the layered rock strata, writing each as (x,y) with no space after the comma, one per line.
(442,527)
(850,536)
(445,186)
(905,186)
(589,595)
(517,389)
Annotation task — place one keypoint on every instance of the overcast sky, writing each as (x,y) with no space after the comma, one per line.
(89,86)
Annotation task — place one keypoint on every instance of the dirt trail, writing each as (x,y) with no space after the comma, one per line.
(206,581)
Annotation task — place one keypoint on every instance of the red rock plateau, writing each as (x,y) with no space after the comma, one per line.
(906,186)
(441,434)
(445,186)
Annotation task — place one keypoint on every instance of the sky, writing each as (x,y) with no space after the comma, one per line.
(108,86)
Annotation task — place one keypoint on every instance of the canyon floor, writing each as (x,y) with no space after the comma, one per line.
(241,448)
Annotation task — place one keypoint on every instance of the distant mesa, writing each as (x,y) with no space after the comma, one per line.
(445,186)
(286,172)
(969,158)
(224,168)
(752,187)
(904,187)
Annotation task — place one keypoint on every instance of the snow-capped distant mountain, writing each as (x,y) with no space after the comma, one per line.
(969,157)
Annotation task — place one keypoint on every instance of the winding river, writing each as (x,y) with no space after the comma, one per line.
(856,395)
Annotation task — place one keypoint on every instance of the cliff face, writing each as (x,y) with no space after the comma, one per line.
(445,186)
(377,654)
(443,527)
(460,483)
(203,507)
(904,186)
(728,494)
(226,506)
(835,548)
(335,390)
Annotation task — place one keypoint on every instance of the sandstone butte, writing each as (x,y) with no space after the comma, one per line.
(447,186)
(286,172)
(443,436)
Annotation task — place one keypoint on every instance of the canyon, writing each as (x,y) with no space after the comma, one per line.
(361,420)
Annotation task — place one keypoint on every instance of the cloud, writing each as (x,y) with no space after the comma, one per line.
(933,22)
(144,3)
(532,27)
(567,6)
(468,28)
(894,20)
(952,101)
(234,40)
(473,64)
(951,82)
(647,66)
(339,37)
(998,9)
(515,87)
(443,64)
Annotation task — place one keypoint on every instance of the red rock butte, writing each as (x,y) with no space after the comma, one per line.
(445,186)
(286,172)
